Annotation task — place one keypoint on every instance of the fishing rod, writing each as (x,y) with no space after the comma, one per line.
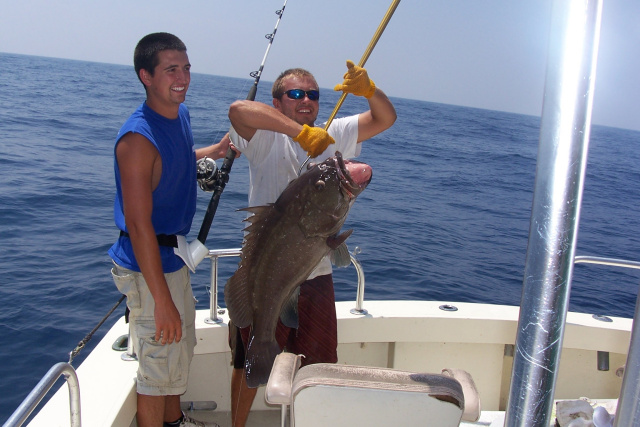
(212,179)
(363,60)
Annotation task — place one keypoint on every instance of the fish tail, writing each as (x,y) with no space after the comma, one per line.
(259,361)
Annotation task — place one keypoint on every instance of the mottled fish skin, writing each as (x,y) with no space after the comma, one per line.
(285,241)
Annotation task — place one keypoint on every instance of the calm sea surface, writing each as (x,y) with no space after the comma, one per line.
(446,216)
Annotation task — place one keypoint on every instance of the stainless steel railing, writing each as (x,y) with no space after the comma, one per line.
(614,262)
(40,390)
(360,293)
(628,409)
(215,254)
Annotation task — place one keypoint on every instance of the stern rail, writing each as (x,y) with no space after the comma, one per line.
(42,388)
(215,254)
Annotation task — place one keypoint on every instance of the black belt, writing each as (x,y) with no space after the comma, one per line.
(163,239)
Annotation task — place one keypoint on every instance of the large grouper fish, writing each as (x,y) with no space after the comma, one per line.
(284,242)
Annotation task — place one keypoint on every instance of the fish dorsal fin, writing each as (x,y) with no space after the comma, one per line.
(260,223)
(238,292)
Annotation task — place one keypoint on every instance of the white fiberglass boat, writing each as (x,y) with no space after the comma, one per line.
(416,336)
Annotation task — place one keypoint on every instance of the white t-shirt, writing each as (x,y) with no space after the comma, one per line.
(275,159)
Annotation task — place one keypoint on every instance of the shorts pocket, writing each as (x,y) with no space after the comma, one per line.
(160,365)
(127,284)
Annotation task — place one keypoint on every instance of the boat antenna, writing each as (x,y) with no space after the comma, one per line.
(223,174)
(363,60)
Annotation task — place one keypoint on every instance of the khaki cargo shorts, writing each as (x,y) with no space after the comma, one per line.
(163,370)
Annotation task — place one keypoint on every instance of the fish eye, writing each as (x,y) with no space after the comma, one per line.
(320,185)
(310,165)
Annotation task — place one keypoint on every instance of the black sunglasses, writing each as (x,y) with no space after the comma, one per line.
(313,95)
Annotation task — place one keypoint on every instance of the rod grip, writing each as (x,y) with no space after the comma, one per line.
(252,92)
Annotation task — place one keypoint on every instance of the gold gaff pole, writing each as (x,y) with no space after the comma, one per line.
(363,60)
(365,55)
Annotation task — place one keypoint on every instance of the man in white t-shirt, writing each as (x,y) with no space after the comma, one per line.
(276,141)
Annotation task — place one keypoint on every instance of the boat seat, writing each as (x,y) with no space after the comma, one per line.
(344,395)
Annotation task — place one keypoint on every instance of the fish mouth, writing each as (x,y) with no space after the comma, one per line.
(355,176)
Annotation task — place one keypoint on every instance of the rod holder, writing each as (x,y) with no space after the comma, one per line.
(603,361)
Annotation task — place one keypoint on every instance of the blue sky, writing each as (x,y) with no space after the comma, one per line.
(488,54)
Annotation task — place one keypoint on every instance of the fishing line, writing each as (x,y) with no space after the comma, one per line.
(221,130)
(257,74)
(223,173)
(73,353)
(363,60)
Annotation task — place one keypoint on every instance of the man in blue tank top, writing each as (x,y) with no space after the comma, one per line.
(156,186)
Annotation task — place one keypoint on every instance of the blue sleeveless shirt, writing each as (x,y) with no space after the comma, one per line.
(174,200)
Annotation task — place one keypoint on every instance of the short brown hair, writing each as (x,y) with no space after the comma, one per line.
(278,86)
(145,55)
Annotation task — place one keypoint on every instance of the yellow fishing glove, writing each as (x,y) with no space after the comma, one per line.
(356,81)
(314,140)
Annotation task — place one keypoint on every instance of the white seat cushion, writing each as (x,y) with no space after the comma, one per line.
(343,395)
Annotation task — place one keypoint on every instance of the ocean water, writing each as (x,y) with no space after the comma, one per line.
(446,216)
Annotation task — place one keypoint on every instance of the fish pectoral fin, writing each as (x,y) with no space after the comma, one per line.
(334,241)
(340,257)
(289,313)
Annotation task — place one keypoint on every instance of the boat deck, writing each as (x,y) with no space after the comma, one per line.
(417,336)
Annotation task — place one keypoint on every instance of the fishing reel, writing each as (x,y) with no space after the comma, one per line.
(207,173)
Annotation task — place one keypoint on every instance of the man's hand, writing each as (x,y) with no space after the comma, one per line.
(356,81)
(314,140)
(222,147)
(168,324)
(217,151)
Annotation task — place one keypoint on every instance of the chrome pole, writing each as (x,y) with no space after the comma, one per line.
(358,310)
(213,300)
(561,164)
